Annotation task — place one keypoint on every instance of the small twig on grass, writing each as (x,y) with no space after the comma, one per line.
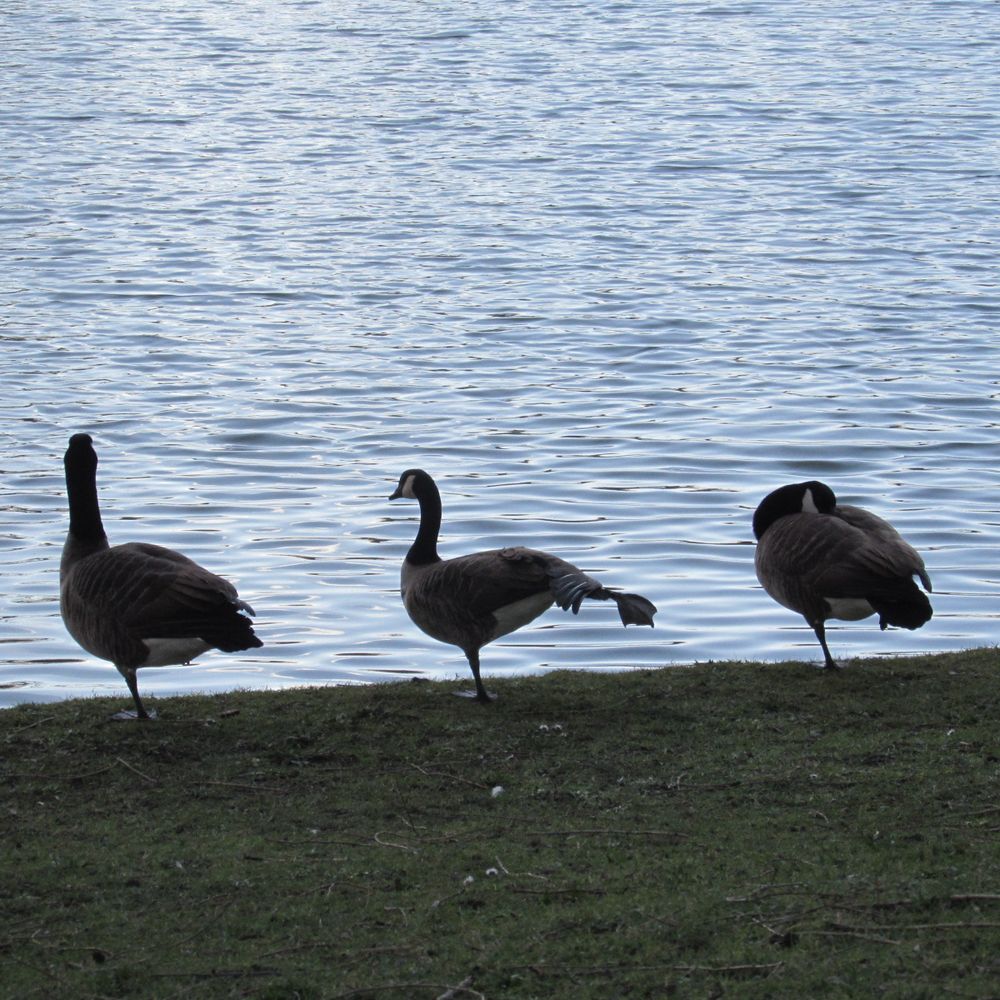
(360,842)
(30,725)
(453,991)
(848,932)
(217,974)
(776,935)
(327,889)
(866,932)
(617,970)
(244,785)
(792,917)
(320,843)
(449,991)
(450,777)
(732,970)
(444,899)
(886,904)
(67,776)
(135,770)
(979,812)
(958,926)
(388,843)
(558,892)
(506,871)
(605,832)
(326,945)
(771,889)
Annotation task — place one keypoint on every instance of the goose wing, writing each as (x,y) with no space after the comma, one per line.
(483,582)
(834,555)
(123,595)
(471,600)
(885,554)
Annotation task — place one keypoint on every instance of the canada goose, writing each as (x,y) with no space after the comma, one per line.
(471,600)
(829,560)
(138,605)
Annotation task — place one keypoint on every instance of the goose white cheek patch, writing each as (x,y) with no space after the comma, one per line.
(808,503)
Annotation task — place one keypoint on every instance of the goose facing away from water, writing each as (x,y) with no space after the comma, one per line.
(138,605)
(829,560)
(471,600)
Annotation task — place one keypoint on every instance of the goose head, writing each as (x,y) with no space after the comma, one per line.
(812,497)
(414,484)
(85,527)
(80,461)
(81,447)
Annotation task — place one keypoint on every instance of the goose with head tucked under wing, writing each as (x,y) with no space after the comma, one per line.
(138,605)
(471,600)
(829,560)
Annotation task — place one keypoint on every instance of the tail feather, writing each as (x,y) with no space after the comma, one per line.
(231,630)
(569,590)
(633,609)
(907,607)
(229,634)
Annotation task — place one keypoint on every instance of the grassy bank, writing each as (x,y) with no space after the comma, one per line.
(722,830)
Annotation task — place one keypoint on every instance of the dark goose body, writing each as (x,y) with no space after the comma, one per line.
(138,605)
(471,600)
(828,560)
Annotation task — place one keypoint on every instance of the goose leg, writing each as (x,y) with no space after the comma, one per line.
(133,686)
(480,694)
(820,629)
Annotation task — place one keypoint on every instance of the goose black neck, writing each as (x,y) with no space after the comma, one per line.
(424,547)
(81,489)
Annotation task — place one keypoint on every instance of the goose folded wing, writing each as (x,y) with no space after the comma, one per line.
(862,570)
(484,582)
(164,594)
(885,554)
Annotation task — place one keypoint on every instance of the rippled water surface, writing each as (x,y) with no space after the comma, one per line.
(609,272)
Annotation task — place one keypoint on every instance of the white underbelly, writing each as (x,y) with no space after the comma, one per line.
(166,652)
(849,609)
(512,616)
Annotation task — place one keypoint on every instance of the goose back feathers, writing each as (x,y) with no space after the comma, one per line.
(829,560)
(470,600)
(138,605)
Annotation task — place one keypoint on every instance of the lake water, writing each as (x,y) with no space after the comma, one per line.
(609,272)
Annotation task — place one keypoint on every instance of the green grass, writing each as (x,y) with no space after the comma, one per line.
(738,830)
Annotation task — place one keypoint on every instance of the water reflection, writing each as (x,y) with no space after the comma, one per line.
(609,286)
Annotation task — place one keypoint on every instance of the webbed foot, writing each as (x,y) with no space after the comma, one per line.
(483,696)
(130,715)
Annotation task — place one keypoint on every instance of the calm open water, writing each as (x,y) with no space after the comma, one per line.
(609,272)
